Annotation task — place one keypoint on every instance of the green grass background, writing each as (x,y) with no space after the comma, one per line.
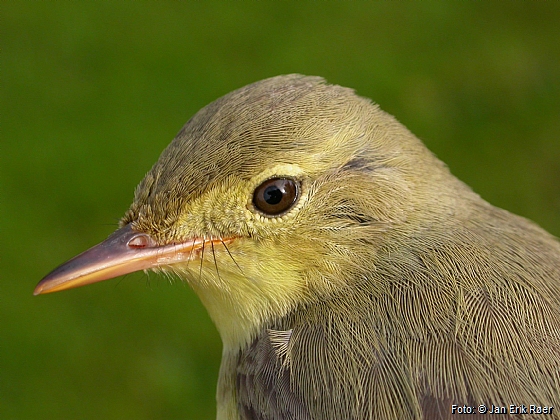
(91,93)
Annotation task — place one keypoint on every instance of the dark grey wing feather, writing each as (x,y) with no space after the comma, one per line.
(264,387)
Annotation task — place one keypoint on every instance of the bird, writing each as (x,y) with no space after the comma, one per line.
(349,274)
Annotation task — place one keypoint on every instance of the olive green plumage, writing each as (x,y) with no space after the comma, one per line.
(386,289)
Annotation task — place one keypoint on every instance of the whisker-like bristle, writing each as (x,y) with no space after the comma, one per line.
(231,256)
(215,262)
(201,260)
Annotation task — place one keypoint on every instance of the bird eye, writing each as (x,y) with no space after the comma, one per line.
(276,196)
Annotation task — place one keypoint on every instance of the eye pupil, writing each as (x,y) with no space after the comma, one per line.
(276,196)
(272,195)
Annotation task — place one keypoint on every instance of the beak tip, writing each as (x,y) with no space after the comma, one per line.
(38,289)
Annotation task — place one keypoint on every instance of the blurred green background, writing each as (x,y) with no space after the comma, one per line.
(91,93)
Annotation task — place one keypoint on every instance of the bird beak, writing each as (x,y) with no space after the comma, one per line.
(125,251)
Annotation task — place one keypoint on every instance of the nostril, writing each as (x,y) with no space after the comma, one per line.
(140,241)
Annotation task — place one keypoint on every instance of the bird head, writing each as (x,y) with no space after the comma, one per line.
(273,197)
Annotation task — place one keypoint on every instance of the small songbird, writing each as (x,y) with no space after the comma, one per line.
(349,274)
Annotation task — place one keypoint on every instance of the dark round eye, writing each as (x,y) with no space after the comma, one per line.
(276,196)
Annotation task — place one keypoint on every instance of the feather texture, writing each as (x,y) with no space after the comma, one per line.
(486,331)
